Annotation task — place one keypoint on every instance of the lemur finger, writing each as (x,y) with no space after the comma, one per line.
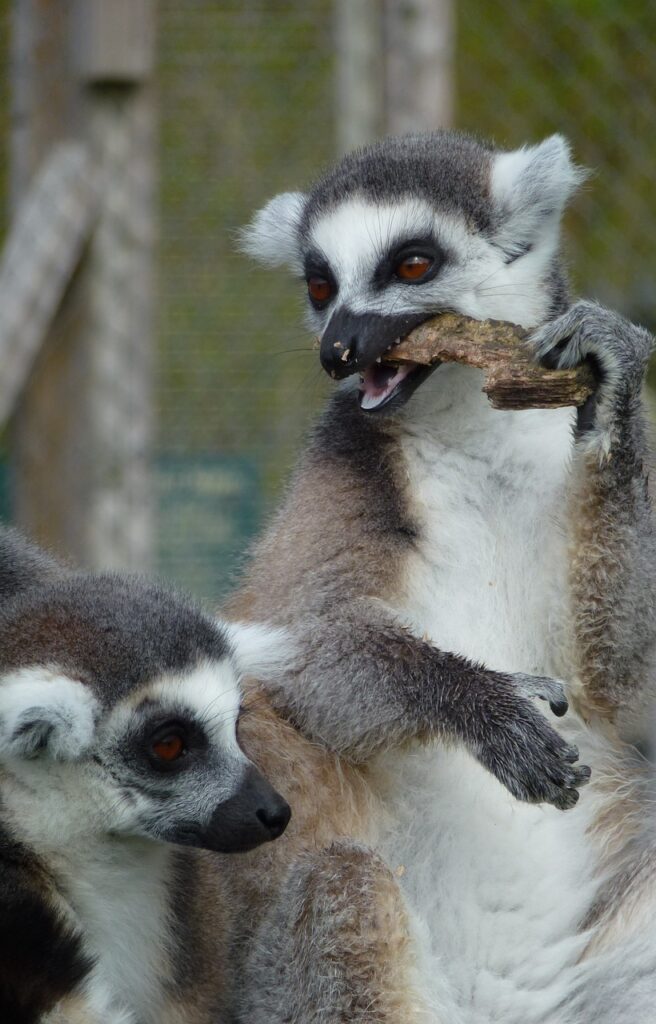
(544,688)
(569,782)
(566,799)
(568,794)
(551,340)
(551,359)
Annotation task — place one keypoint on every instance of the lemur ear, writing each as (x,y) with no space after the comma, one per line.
(272,235)
(42,713)
(530,188)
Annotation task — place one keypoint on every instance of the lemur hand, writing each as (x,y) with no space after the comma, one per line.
(617,349)
(523,751)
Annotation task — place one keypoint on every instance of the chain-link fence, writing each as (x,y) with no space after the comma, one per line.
(251,97)
(247,108)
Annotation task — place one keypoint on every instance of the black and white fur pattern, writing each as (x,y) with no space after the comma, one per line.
(432,550)
(94,825)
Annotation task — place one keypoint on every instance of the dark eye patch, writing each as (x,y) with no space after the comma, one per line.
(143,746)
(322,286)
(425,247)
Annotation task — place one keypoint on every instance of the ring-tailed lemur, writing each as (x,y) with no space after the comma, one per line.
(434,557)
(118,756)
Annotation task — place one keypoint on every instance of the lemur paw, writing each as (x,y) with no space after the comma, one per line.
(617,349)
(527,755)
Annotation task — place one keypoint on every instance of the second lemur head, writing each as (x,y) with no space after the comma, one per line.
(413,226)
(118,711)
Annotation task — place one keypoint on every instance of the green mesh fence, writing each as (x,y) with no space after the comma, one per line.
(247,108)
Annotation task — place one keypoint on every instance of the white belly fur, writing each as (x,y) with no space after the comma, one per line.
(496,887)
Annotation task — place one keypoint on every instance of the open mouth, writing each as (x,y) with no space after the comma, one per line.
(381,382)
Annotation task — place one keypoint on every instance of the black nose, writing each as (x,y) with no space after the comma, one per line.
(275,817)
(347,340)
(255,814)
(353,341)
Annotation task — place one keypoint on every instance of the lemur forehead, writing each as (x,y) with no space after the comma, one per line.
(209,692)
(448,170)
(116,633)
(357,234)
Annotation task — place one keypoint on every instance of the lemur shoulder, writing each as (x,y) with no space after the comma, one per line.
(441,564)
(119,770)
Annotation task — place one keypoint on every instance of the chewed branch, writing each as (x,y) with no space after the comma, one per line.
(513,380)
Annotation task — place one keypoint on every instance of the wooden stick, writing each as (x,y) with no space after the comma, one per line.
(512,379)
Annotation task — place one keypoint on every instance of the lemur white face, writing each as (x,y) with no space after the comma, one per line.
(376,271)
(163,763)
(378,260)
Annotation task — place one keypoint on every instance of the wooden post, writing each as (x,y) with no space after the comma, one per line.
(394,68)
(81,437)
(419,48)
(360,72)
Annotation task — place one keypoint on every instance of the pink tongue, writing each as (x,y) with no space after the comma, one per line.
(380,380)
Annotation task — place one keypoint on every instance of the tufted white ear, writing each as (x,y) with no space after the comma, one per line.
(272,235)
(530,187)
(42,712)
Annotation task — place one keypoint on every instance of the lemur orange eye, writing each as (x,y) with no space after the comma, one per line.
(413,267)
(319,289)
(169,748)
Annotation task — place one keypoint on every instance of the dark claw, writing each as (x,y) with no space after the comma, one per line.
(559,707)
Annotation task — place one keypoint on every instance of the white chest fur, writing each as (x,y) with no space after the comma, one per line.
(120,894)
(489,576)
(497,887)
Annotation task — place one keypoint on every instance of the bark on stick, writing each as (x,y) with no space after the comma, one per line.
(512,379)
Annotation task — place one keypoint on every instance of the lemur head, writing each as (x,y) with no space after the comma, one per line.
(414,226)
(118,712)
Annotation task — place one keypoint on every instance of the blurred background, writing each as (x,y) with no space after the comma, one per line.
(155,385)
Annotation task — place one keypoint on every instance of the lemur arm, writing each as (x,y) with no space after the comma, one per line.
(613,542)
(367,684)
(335,946)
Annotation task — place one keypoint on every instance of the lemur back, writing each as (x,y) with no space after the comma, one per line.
(439,563)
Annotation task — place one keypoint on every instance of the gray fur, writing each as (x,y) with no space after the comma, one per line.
(449,169)
(615,582)
(362,684)
(23,564)
(95,671)
(146,632)
(368,686)
(333,565)
(314,966)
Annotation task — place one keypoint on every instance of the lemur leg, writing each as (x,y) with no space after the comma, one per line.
(369,684)
(613,544)
(335,948)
